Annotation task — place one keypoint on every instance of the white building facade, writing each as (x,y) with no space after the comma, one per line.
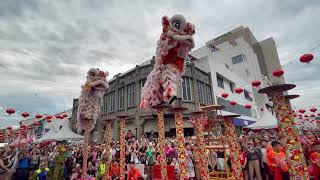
(233,62)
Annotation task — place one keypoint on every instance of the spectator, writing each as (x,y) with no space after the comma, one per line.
(134,173)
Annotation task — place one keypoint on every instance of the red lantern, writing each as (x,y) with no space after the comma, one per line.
(22,126)
(300,115)
(313,109)
(36,123)
(58,117)
(318,114)
(306,58)
(278,73)
(25,114)
(306,116)
(224,95)
(38,116)
(256,83)
(65,115)
(302,111)
(248,106)
(239,90)
(49,120)
(9,128)
(233,103)
(48,117)
(10,111)
(312,115)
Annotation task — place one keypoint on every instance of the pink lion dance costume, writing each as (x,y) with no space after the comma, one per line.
(174,44)
(90,99)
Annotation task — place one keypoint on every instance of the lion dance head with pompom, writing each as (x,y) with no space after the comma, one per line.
(175,42)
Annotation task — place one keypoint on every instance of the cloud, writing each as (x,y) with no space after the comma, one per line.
(46,47)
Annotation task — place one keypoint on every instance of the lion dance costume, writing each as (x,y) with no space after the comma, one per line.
(90,100)
(174,44)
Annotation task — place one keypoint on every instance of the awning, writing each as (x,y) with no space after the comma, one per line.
(241,120)
(266,121)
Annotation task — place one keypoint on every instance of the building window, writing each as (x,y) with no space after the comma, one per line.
(111,99)
(131,90)
(231,85)
(237,59)
(142,82)
(186,89)
(220,81)
(121,98)
(204,92)
(248,95)
(104,104)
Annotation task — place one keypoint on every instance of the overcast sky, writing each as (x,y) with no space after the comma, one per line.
(47,46)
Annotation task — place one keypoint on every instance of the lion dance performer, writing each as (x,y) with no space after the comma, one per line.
(174,44)
(89,108)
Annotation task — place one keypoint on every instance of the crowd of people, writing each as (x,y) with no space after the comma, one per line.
(261,157)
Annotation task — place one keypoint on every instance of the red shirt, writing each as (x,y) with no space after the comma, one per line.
(315,160)
(115,171)
(134,174)
(277,164)
(242,158)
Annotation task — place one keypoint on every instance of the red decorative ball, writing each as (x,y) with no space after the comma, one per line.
(233,103)
(248,106)
(256,83)
(224,95)
(25,114)
(313,109)
(302,111)
(10,111)
(278,73)
(306,58)
(38,116)
(239,90)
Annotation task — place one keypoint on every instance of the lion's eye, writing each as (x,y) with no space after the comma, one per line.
(176,24)
(92,74)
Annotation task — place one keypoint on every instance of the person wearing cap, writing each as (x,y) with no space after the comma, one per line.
(277,164)
(41,173)
(134,173)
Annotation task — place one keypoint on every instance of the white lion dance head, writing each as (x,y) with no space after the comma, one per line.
(90,99)
(174,44)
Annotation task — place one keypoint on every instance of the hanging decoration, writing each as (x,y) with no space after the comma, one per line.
(224,95)
(238,90)
(248,106)
(313,109)
(256,83)
(176,41)
(302,111)
(37,123)
(9,128)
(25,114)
(306,58)
(278,73)
(49,120)
(10,111)
(233,103)
(49,117)
(38,116)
